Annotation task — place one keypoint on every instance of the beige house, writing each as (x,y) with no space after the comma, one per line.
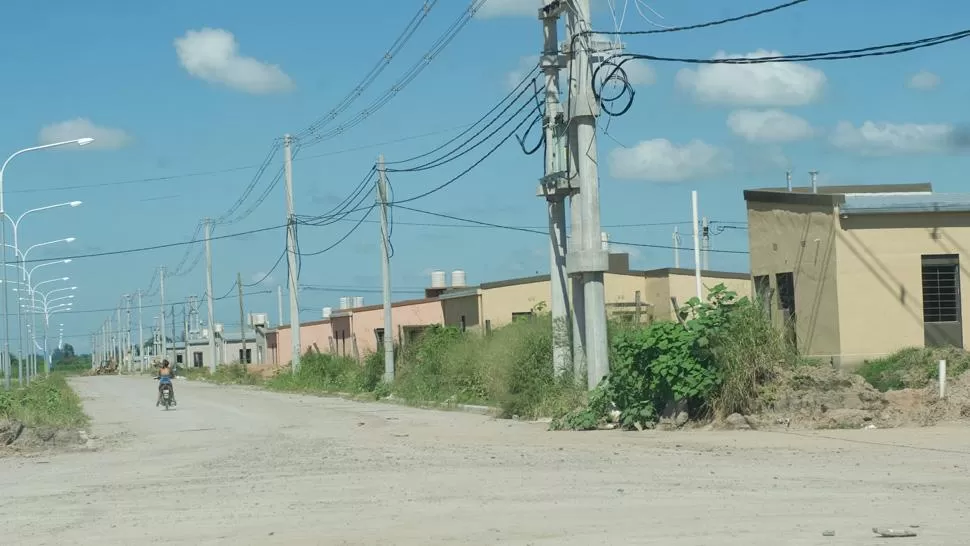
(859,272)
(643,295)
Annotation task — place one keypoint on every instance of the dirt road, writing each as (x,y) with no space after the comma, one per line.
(243,466)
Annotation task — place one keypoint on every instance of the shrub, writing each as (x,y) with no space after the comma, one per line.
(323,373)
(913,367)
(49,401)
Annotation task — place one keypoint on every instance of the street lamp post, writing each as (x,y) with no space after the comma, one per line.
(28,275)
(3,251)
(48,310)
(26,288)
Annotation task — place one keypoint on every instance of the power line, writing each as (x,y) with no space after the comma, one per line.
(268,273)
(342,239)
(701,25)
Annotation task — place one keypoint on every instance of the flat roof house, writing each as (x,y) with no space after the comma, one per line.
(858,272)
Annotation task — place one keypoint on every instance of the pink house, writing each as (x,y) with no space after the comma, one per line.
(316,336)
(358,332)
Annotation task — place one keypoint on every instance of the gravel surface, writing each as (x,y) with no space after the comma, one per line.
(243,466)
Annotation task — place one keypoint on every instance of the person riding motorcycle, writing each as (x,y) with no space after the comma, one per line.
(164,377)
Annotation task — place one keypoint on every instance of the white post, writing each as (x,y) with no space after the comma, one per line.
(697,247)
(676,248)
(161,288)
(141,337)
(943,379)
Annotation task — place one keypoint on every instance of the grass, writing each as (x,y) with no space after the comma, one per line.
(47,402)
(229,374)
(915,367)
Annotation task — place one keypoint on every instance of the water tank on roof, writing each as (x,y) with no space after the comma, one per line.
(438,279)
(218,328)
(345,303)
(358,301)
(327,311)
(458,278)
(605,241)
(258,320)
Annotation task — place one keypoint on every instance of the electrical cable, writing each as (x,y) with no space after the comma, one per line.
(268,273)
(409,76)
(707,24)
(470,168)
(375,71)
(344,238)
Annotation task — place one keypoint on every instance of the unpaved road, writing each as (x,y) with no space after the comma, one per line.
(242,466)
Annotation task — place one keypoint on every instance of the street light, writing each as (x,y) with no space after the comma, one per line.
(29,274)
(5,358)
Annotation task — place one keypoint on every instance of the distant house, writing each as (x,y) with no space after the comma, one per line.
(856,272)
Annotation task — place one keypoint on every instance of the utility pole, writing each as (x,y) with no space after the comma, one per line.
(388,338)
(555,188)
(242,320)
(161,289)
(130,354)
(185,349)
(291,257)
(788,179)
(141,338)
(279,306)
(120,341)
(814,175)
(676,248)
(705,244)
(578,303)
(591,261)
(209,296)
(697,247)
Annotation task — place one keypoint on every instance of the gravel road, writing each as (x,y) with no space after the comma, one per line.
(243,466)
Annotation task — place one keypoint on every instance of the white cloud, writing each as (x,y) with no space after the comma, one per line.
(513,78)
(212,54)
(769,84)
(263,279)
(924,81)
(881,138)
(769,126)
(493,9)
(659,160)
(105,138)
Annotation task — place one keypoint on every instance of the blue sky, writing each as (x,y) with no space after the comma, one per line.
(112,69)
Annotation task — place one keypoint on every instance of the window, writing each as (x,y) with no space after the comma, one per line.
(379,334)
(463,323)
(941,288)
(197,359)
(786,302)
(248,358)
(178,359)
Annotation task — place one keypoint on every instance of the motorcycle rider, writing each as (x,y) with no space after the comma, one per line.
(164,377)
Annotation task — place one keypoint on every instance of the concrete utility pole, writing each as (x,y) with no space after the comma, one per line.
(209,296)
(279,306)
(697,247)
(591,261)
(242,320)
(161,290)
(814,176)
(185,344)
(555,188)
(385,271)
(578,306)
(141,337)
(120,341)
(676,248)
(788,179)
(297,347)
(706,244)
(130,354)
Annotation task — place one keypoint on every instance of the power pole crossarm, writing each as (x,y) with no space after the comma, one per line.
(388,338)
(293,273)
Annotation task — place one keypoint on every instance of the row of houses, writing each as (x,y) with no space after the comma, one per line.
(849,273)
(630,294)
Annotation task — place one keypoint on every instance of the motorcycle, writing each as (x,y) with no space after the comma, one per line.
(166,396)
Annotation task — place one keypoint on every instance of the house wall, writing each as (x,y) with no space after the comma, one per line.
(315,335)
(684,287)
(801,239)
(880,278)
(366,321)
(498,303)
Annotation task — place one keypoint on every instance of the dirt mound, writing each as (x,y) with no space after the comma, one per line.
(923,407)
(17,437)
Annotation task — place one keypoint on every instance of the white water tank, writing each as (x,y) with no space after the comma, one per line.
(218,328)
(358,301)
(327,311)
(605,241)
(458,278)
(258,320)
(438,279)
(345,302)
